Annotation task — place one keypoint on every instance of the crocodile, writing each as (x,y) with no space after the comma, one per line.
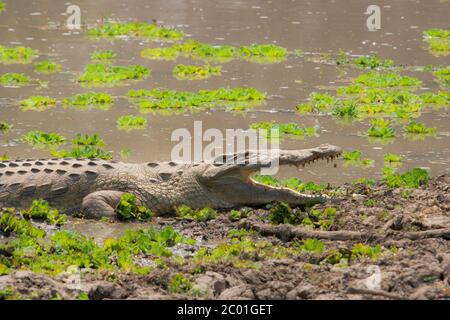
(94,187)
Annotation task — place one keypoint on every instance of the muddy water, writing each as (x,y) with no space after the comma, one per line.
(313,26)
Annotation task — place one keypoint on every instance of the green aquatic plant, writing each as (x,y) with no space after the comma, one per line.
(242,252)
(5,126)
(136,30)
(88,140)
(2,6)
(263,53)
(90,99)
(171,99)
(364,181)
(354,155)
(346,109)
(128,209)
(372,62)
(392,158)
(37,103)
(14,79)
(360,250)
(19,54)
(131,122)
(438,41)
(410,179)
(207,52)
(386,80)
(11,224)
(414,127)
(236,215)
(100,74)
(381,128)
(282,213)
(364,62)
(47,67)
(443,76)
(170,53)
(124,153)
(190,72)
(83,152)
(442,98)
(39,138)
(354,158)
(65,250)
(320,219)
(105,56)
(285,129)
(318,102)
(179,284)
(313,245)
(291,183)
(40,210)
(204,214)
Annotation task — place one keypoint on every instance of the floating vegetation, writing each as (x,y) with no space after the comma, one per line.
(242,252)
(292,183)
(170,99)
(364,62)
(14,79)
(160,53)
(392,159)
(47,67)
(410,179)
(2,6)
(418,128)
(5,126)
(291,130)
(381,128)
(346,109)
(190,72)
(441,98)
(198,50)
(37,103)
(41,139)
(354,158)
(268,53)
(438,41)
(443,76)
(386,80)
(62,250)
(85,146)
(265,53)
(105,56)
(319,102)
(83,152)
(17,55)
(40,210)
(135,30)
(371,95)
(98,100)
(418,131)
(128,209)
(100,74)
(130,122)
(88,140)
(204,214)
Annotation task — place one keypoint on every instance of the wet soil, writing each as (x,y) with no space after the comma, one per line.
(418,227)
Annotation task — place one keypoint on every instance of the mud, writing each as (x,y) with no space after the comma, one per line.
(419,269)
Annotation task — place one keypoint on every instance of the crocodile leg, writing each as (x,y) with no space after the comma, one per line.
(101,204)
